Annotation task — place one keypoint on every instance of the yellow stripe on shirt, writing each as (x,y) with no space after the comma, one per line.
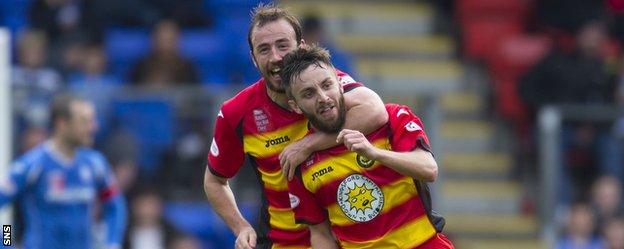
(409,235)
(273,180)
(342,166)
(268,144)
(284,219)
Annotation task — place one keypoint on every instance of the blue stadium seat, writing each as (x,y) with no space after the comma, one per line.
(14,14)
(152,122)
(208,50)
(198,219)
(124,47)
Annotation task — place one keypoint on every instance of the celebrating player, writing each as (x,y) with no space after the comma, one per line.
(58,183)
(372,189)
(258,122)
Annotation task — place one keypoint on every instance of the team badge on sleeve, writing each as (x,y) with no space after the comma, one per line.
(360,198)
(294,200)
(413,126)
(214,149)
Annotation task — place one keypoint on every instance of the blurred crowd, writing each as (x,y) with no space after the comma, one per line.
(557,52)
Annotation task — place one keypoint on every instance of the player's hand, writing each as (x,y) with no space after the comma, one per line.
(246,239)
(356,141)
(293,155)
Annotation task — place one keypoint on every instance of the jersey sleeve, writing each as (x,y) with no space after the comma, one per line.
(347,82)
(105,180)
(226,155)
(20,176)
(304,205)
(407,129)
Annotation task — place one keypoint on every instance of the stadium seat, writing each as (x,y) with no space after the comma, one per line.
(468,10)
(514,56)
(152,122)
(480,36)
(198,219)
(516,53)
(208,50)
(124,47)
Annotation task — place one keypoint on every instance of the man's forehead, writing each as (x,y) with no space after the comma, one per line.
(280,28)
(315,73)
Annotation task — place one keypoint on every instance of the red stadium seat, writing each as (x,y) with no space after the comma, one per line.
(512,58)
(480,36)
(476,9)
(515,54)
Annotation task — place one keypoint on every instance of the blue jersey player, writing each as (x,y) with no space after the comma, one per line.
(59,182)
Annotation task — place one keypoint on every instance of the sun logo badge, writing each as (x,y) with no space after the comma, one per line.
(364,162)
(360,198)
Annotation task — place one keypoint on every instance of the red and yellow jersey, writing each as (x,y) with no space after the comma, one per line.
(251,124)
(368,204)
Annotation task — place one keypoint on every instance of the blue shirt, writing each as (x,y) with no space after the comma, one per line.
(57,197)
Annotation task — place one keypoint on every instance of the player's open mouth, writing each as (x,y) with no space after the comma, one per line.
(275,72)
(326,110)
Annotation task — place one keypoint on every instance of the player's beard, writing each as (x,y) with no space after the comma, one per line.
(277,87)
(329,127)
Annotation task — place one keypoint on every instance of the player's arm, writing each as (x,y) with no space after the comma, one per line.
(225,158)
(115,216)
(321,236)
(19,177)
(221,198)
(418,163)
(113,203)
(365,113)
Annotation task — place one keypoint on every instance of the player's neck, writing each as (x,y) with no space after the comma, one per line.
(62,147)
(278,98)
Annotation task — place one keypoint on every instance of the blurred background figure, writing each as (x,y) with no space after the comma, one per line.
(314,33)
(164,66)
(579,231)
(606,199)
(33,84)
(184,242)
(148,229)
(614,233)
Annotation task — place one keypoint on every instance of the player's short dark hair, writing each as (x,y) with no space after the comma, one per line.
(60,108)
(266,13)
(298,60)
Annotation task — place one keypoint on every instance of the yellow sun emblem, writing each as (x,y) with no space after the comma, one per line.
(361,198)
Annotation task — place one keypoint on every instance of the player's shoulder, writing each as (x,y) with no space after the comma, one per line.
(33,156)
(398,111)
(95,159)
(235,107)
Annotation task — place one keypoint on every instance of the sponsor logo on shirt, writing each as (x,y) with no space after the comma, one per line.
(321,172)
(277,141)
(85,174)
(360,198)
(58,191)
(262,120)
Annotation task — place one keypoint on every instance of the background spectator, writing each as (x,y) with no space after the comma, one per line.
(164,66)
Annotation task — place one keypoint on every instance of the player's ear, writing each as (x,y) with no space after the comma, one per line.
(253,59)
(294,106)
(302,43)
